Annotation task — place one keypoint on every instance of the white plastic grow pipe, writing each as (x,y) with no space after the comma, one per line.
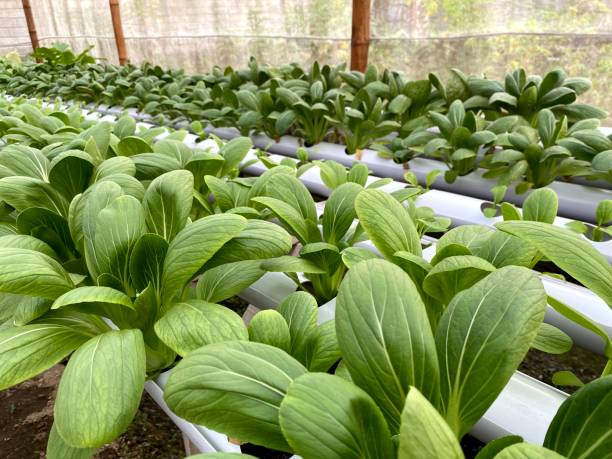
(575,201)
(462,210)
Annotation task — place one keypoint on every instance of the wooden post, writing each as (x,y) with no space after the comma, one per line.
(27,10)
(118,29)
(360,35)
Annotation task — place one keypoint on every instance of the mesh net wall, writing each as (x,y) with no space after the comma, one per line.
(414,36)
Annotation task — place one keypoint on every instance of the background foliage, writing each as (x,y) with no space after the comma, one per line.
(414,36)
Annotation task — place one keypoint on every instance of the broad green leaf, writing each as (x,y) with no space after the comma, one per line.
(193,246)
(470,236)
(333,174)
(23,241)
(582,428)
(527,451)
(482,338)
(118,228)
(289,217)
(293,192)
(566,378)
(288,264)
(57,448)
(453,275)
(387,223)
(167,203)
(503,249)
(340,212)
(25,192)
(129,185)
(234,152)
(24,160)
(450,250)
(94,300)
(424,434)
(147,262)
(385,337)
(324,416)
(151,165)
(29,350)
(300,312)
(492,448)
(190,325)
(49,227)
(583,321)
(569,252)
(70,172)
(541,206)
(83,215)
(31,273)
(28,308)
(322,254)
(132,145)
(100,389)
(269,327)
(551,340)
(324,350)
(100,133)
(234,387)
(125,126)
(353,255)
(258,240)
(173,148)
(224,281)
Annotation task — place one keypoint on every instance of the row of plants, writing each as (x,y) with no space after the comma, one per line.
(526,131)
(119,254)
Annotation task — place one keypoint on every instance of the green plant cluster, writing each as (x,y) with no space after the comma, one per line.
(476,121)
(118,245)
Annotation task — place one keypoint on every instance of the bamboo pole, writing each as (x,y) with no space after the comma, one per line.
(118,29)
(27,10)
(360,34)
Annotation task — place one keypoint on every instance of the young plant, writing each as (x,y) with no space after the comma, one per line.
(534,157)
(528,95)
(460,139)
(361,121)
(378,311)
(309,104)
(135,261)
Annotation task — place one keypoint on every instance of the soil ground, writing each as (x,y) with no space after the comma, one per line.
(26,416)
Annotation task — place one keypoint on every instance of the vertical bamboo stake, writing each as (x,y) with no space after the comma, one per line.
(360,35)
(118,29)
(27,10)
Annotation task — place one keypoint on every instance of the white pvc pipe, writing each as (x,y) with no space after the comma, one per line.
(462,210)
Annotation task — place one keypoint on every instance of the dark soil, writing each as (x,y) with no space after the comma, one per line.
(263,452)
(584,364)
(471,446)
(26,416)
(236,304)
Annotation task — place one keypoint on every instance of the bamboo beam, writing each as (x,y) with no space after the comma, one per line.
(118,29)
(360,34)
(27,10)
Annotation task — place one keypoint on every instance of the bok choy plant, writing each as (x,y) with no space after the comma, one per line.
(135,261)
(526,95)
(321,415)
